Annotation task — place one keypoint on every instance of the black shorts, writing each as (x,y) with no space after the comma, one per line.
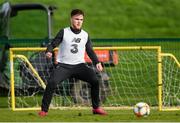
(80,71)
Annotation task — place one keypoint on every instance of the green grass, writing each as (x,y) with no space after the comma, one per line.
(57,115)
(105,19)
(86,116)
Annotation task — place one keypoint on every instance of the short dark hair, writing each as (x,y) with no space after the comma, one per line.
(76,12)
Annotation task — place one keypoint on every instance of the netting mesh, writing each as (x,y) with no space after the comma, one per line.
(171,83)
(133,78)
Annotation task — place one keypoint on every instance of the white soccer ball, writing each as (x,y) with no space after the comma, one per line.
(141,109)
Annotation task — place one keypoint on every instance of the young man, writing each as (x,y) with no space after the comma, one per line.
(73,41)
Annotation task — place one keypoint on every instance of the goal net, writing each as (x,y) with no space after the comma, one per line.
(131,75)
(171,82)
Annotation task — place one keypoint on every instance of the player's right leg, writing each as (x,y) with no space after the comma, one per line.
(58,75)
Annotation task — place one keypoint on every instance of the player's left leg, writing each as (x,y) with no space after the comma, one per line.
(87,74)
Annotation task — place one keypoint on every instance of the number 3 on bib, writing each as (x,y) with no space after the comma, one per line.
(74,48)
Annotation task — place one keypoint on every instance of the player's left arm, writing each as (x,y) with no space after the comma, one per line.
(92,55)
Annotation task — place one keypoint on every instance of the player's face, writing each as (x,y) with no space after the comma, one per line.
(77,21)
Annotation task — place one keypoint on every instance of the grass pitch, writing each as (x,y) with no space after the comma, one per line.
(86,116)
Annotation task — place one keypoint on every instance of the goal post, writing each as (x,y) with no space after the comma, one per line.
(136,75)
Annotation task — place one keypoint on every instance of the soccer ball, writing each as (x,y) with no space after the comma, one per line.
(141,109)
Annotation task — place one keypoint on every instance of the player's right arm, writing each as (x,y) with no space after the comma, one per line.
(54,43)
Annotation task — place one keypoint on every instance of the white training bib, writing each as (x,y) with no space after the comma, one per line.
(72,48)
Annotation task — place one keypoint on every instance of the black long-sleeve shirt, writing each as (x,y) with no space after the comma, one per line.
(59,38)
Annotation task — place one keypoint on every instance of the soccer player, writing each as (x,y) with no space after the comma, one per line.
(73,41)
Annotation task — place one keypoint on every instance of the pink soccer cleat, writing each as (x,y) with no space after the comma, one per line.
(99,111)
(42,113)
